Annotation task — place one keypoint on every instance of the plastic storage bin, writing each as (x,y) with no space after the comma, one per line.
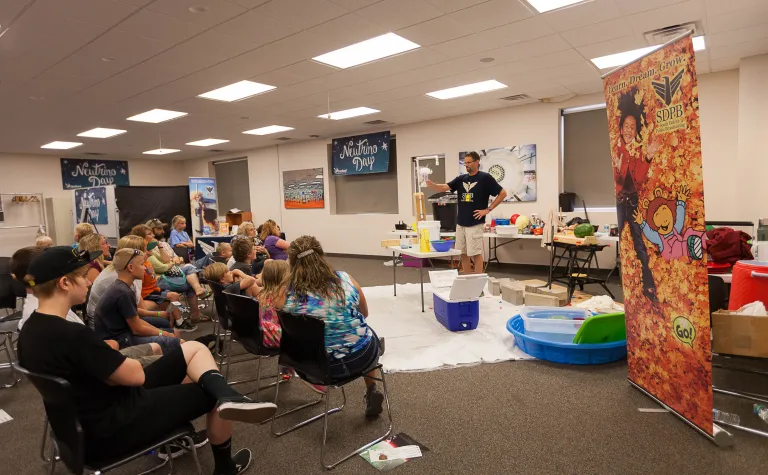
(539,324)
(568,353)
(457,316)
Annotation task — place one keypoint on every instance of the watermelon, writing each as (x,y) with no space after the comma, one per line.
(583,230)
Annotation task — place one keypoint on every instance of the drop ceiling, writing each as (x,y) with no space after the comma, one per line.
(68,66)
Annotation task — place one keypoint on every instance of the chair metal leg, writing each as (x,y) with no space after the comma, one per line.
(303,406)
(45,439)
(369,444)
(193,449)
(54,457)
(258,378)
(15,378)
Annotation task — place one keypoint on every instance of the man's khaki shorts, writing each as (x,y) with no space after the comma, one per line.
(141,353)
(469,240)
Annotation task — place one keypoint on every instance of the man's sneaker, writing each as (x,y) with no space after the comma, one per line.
(318,388)
(200,438)
(186,326)
(251,412)
(242,461)
(373,402)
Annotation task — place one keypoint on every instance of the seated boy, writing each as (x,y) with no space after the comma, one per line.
(244,253)
(122,407)
(233,281)
(117,314)
(82,230)
(44,242)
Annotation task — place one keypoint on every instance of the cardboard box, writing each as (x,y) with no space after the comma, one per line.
(742,335)
(513,292)
(541,300)
(396,242)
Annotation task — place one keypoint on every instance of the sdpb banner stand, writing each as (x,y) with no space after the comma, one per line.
(653,124)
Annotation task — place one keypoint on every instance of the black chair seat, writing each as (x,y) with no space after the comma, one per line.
(331,381)
(111,463)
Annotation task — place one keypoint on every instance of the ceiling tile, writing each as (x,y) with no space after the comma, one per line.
(398,14)
(679,13)
(629,7)
(257,28)
(493,13)
(434,31)
(218,10)
(9,9)
(586,87)
(158,26)
(249,3)
(740,50)
(597,33)
(723,64)
(352,5)
(741,35)
(718,7)
(581,14)
(702,67)
(449,6)
(295,73)
(737,19)
(617,45)
(302,13)
(496,37)
(97,12)
(542,93)
(348,29)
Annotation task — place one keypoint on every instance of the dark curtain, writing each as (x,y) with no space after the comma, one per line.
(139,204)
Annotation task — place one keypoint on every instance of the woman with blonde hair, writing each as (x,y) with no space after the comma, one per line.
(275,245)
(93,243)
(179,236)
(315,289)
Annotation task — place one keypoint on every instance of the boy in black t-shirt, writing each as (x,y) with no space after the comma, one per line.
(120,406)
(234,281)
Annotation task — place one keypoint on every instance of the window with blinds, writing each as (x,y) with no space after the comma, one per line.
(373,193)
(232,185)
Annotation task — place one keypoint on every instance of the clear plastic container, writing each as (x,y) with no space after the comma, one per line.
(558,324)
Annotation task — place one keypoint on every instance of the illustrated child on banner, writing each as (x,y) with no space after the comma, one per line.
(203,202)
(653,124)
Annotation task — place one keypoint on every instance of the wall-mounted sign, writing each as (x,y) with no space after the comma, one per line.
(76,173)
(361,154)
(91,205)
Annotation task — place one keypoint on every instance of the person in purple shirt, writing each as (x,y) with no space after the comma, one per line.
(277,247)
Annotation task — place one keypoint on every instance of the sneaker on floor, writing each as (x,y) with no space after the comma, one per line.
(242,460)
(318,388)
(200,438)
(373,402)
(186,326)
(250,412)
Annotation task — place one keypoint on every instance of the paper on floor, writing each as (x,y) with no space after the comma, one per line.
(405,452)
(4,416)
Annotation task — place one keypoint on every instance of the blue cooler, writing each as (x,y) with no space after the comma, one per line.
(458,309)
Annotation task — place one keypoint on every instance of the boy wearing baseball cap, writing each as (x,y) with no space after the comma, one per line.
(121,406)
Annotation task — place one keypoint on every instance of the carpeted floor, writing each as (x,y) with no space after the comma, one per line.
(522,417)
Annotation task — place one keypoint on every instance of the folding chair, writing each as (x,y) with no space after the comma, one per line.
(69,440)
(223,330)
(302,347)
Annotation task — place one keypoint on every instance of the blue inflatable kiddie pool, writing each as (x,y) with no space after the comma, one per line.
(567,353)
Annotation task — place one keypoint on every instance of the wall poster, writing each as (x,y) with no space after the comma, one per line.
(514,168)
(77,173)
(204,206)
(653,122)
(360,154)
(303,189)
(91,205)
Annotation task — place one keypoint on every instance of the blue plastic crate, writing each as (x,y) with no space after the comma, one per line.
(568,353)
(457,316)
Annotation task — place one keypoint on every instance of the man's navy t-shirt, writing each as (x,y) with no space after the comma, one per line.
(474,193)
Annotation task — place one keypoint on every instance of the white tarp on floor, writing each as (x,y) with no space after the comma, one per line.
(416,341)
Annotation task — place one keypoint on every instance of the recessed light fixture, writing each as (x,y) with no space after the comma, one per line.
(62,145)
(270,129)
(161,151)
(107,59)
(349,113)
(546,5)
(101,133)
(620,59)
(366,51)
(206,142)
(155,116)
(467,89)
(237,91)
(197,9)
(487,60)
(36,98)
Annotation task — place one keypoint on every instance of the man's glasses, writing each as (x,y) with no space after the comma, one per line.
(136,252)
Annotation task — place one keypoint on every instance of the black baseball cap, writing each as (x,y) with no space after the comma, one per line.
(57,262)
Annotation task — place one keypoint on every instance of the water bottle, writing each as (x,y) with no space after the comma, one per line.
(725,417)
(761,411)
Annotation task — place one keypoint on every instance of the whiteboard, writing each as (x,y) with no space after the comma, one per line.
(85,209)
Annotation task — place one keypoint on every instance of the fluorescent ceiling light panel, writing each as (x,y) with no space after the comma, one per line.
(101,133)
(206,142)
(467,89)
(61,145)
(161,151)
(237,91)
(366,51)
(349,113)
(270,129)
(155,116)
(546,5)
(620,59)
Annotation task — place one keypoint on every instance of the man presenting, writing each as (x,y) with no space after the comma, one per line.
(475,189)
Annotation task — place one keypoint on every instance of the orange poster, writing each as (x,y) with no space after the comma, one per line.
(653,123)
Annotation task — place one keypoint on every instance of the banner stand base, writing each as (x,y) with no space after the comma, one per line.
(720,437)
